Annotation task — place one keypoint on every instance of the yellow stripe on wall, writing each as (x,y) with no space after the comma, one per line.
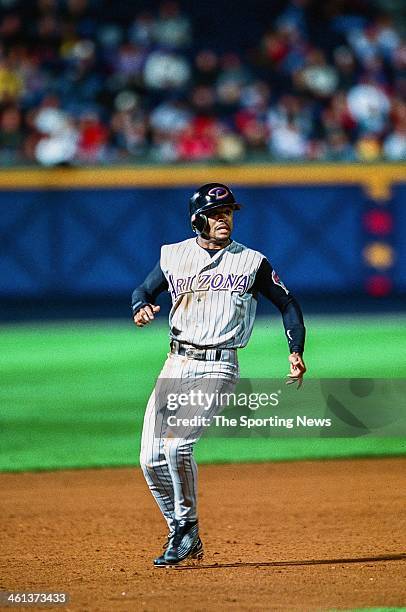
(376,179)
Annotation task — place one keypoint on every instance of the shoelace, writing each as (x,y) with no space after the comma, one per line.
(170,536)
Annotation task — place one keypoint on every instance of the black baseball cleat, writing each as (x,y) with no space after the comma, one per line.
(196,554)
(183,543)
(160,561)
(185,539)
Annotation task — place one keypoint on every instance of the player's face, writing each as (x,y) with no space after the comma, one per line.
(221,223)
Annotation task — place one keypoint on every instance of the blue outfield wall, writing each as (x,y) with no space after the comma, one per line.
(102,242)
(399,214)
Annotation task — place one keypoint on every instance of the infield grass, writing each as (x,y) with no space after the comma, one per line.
(73,394)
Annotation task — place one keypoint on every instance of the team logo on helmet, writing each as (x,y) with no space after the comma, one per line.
(219,193)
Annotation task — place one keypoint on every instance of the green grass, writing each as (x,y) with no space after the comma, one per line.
(372,610)
(74,394)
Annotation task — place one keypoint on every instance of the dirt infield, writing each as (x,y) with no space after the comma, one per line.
(278,536)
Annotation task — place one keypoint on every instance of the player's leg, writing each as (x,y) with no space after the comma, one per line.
(152,457)
(154,465)
(200,380)
(185,542)
(183,470)
(178,449)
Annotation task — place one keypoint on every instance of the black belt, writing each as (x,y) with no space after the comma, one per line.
(193,352)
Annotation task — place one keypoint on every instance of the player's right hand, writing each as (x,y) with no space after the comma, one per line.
(145,315)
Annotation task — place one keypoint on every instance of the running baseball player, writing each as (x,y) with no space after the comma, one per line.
(214,284)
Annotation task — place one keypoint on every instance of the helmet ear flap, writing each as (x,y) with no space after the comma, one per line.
(199,223)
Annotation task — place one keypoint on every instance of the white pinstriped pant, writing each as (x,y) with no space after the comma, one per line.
(167,461)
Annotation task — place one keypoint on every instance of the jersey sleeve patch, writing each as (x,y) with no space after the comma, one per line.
(277,281)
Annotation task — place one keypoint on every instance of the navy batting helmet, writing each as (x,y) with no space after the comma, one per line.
(206,198)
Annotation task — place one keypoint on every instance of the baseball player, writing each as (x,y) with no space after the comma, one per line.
(214,284)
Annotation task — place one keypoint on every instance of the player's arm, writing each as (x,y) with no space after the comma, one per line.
(268,284)
(143,297)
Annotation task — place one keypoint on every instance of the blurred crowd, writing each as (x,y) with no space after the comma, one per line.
(80,87)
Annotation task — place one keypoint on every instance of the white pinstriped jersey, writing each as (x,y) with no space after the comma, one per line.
(212,305)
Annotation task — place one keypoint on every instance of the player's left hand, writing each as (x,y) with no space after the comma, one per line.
(297,370)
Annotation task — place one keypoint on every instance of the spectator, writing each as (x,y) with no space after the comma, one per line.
(55,139)
(11,136)
(172,30)
(291,111)
(294,15)
(117,87)
(287,142)
(317,76)
(206,68)
(369,107)
(255,135)
(141,31)
(368,148)
(232,77)
(339,147)
(92,139)
(128,62)
(198,141)
(166,70)
(11,84)
(129,132)
(337,116)
(377,39)
(345,65)
(203,99)
(394,147)
(171,117)
(230,147)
